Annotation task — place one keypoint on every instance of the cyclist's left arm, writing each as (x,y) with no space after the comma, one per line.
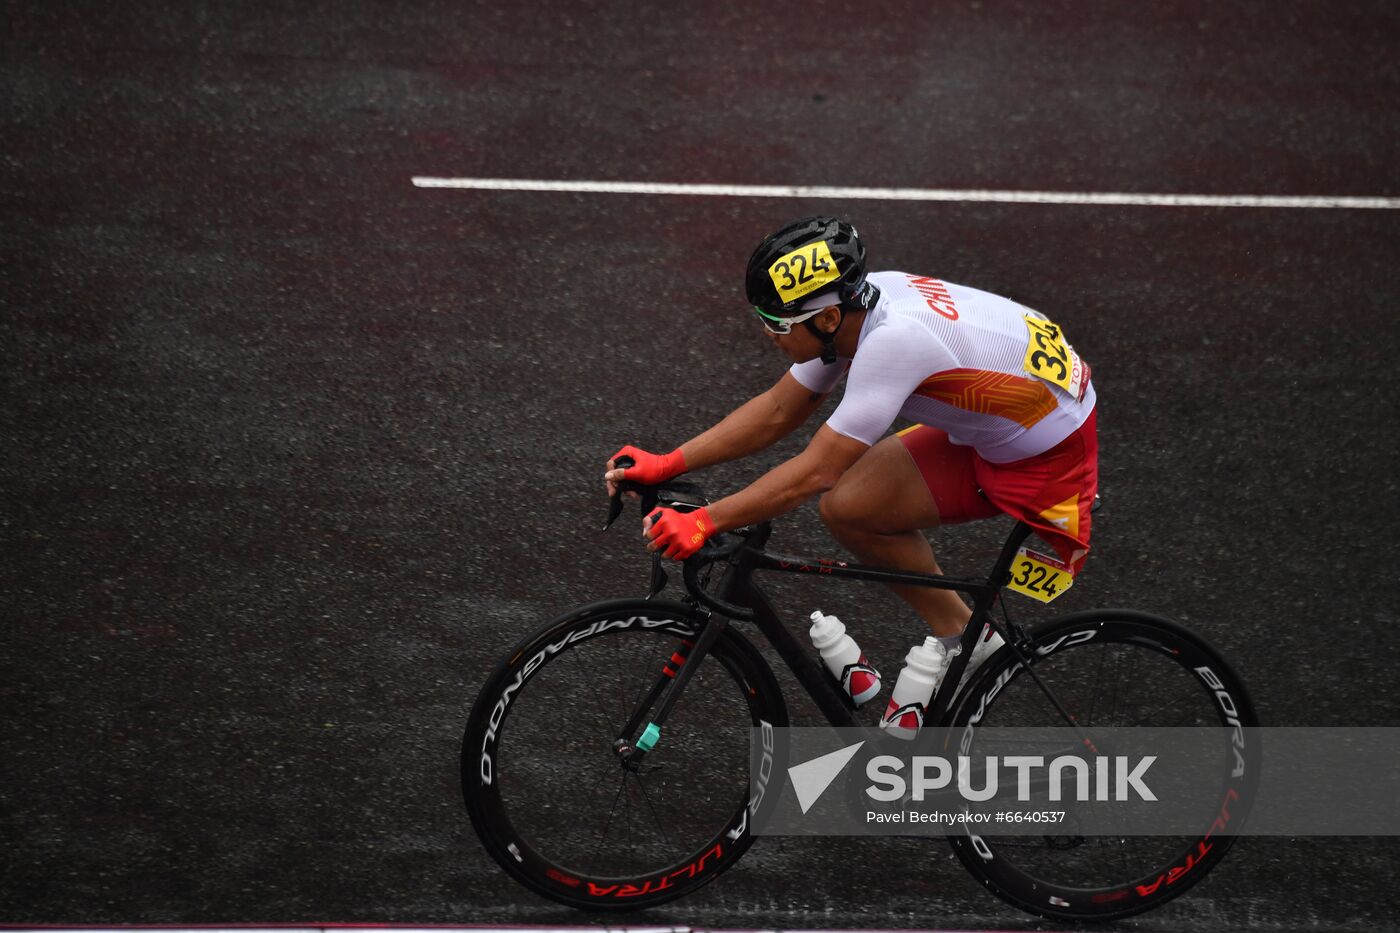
(814,471)
(882,376)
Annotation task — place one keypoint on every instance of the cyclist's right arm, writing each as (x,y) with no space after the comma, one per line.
(755,425)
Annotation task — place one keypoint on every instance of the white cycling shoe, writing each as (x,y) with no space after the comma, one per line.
(987,646)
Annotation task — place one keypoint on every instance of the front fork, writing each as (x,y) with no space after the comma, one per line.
(675,674)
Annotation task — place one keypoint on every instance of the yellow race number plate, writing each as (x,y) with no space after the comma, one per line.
(1050,358)
(803,270)
(1038,576)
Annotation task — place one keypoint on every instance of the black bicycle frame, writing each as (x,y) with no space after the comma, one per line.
(835,704)
(741,599)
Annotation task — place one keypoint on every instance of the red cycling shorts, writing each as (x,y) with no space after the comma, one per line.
(1052,492)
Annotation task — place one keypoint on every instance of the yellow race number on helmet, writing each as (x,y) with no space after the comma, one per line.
(802,271)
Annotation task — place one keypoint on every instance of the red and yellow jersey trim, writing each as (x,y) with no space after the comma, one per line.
(1017,398)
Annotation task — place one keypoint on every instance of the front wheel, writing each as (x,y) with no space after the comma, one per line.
(1114,669)
(564,812)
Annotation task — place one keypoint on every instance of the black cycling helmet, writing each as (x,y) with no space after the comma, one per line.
(806,259)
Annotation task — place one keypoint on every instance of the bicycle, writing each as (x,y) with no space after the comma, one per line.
(571,791)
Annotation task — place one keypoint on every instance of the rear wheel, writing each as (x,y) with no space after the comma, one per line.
(557,805)
(1114,669)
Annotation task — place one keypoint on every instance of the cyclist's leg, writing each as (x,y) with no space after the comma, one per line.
(881,507)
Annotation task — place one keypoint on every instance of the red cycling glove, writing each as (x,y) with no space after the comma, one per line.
(680,534)
(650,468)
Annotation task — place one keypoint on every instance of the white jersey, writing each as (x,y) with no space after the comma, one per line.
(994,375)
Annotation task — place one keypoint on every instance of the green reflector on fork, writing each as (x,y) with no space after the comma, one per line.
(649,736)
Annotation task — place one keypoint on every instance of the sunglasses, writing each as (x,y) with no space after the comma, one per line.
(783,325)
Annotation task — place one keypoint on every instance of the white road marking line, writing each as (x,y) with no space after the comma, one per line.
(913,194)
(372,928)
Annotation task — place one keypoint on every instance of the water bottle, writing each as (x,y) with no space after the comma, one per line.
(923,667)
(844,658)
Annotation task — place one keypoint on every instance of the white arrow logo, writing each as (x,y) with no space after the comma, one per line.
(811,778)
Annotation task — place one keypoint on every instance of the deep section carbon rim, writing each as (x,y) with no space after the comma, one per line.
(554,802)
(1114,669)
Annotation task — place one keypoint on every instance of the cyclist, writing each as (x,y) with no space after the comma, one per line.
(1003,412)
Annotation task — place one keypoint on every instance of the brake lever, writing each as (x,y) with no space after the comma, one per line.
(659,578)
(615,500)
(614,509)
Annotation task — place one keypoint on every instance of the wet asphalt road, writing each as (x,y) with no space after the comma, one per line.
(293,450)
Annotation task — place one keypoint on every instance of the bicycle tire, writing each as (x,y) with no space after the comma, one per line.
(539,770)
(1109,662)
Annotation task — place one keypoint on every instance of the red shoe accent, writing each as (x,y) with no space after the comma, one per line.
(911,719)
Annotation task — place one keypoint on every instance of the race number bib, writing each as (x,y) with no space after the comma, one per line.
(1048,357)
(803,270)
(1038,576)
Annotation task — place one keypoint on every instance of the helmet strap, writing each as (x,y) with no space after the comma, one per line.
(828,340)
(864,296)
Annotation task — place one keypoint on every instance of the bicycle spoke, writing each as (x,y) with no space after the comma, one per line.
(1089,715)
(606,773)
(660,824)
(598,698)
(607,825)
